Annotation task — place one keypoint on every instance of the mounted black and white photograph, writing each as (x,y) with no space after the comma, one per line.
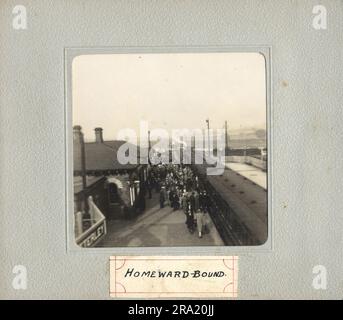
(170,149)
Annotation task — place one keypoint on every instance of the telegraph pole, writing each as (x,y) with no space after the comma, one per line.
(208,134)
(226,138)
(149,147)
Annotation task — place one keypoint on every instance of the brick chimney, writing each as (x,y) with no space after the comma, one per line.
(77,134)
(98,135)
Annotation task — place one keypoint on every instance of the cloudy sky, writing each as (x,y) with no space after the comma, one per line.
(170,91)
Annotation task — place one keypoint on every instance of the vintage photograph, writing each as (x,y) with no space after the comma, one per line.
(170,149)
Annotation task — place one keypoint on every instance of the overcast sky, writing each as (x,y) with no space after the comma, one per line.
(170,91)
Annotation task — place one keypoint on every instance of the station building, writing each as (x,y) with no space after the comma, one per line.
(104,189)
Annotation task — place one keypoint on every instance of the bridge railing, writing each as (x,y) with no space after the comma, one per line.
(89,231)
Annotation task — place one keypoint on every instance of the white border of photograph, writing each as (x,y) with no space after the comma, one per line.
(71,246)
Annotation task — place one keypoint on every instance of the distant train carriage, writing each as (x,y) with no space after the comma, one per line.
(239,216)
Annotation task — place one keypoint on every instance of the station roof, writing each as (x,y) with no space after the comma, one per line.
(90,182)
(101,156)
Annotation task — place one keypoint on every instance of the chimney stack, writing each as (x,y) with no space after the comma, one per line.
(98,135)
(77,134)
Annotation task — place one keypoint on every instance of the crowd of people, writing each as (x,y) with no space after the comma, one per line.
(179,188)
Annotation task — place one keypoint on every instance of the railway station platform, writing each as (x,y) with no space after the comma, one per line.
(254,174)
(157,227)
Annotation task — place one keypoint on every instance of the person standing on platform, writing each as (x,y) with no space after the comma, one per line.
(184,202)
(171,197)
(157,185)
(179,195)
(149,187)
(162,197)
(190,216)
(196,201)
(201,200)
(167,196)
(204,201)
(200,218)
(141,200)
(175,200)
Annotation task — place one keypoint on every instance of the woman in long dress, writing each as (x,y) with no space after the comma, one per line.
(200,218)
(190,216)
